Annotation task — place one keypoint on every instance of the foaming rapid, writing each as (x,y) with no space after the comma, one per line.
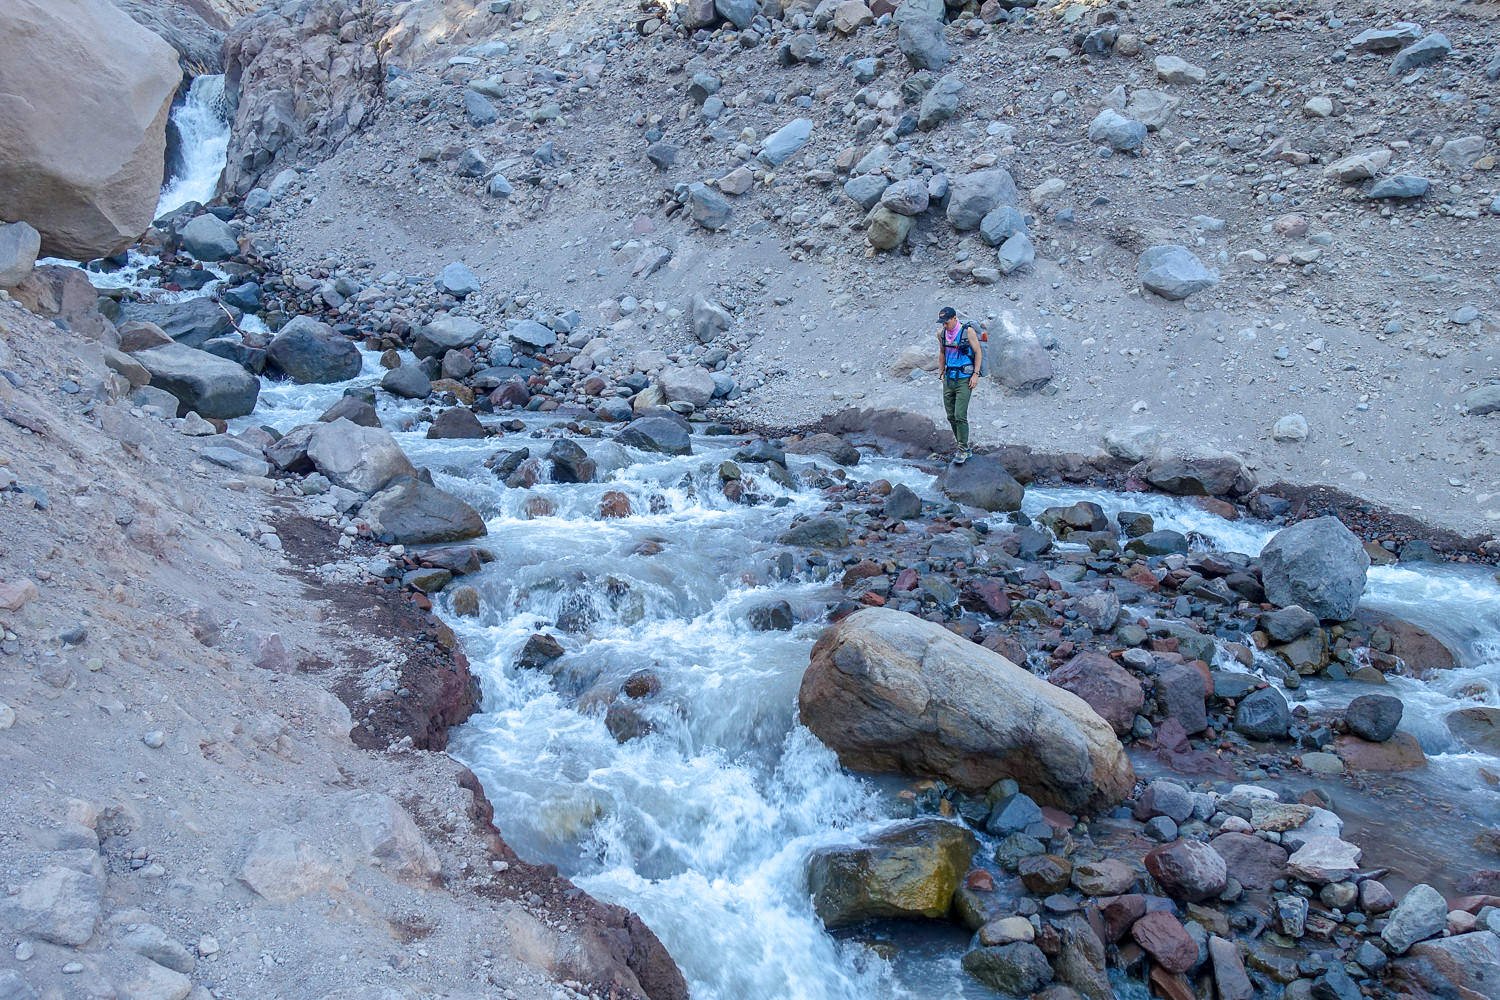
(202,124)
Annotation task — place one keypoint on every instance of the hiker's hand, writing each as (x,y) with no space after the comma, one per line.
(973,382)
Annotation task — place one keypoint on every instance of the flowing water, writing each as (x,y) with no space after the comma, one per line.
(201,120)
(703,826)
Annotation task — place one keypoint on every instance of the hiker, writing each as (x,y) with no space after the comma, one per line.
(962,359)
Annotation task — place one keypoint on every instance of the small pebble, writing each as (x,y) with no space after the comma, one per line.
(156,739)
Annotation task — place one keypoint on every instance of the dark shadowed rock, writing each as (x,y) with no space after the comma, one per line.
(456,422)
(307,351)
(982,482)
(1374,717)
(1263,715)
(658,434)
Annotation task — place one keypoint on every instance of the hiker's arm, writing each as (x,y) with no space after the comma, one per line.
(942,353)
(978,358)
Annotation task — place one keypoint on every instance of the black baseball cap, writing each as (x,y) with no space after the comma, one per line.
(946,313)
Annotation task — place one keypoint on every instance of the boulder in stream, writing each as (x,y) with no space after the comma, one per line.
(909,871)
(307,351)
(202,382)
(363,459)
(1318,564)
(411,512)
(982,482)
(888,691)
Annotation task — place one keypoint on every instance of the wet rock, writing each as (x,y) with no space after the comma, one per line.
(1188,870)
(1373,717)
(1317,564)
(982,482)
(1017,969)
(1166,940)
(1109,689)
(774,616)
(830,445)
(570,463)
(456,423)
(307,351)
(1478,726)
(889,691)
(1044,874)
(201,382)
(408,382)
(1251,861)
(1173,272)
(1163,542)
(1182,693)
(411,512)
(902,504)
(1421,914)
(907,872)
(1219,474)
(363,459)
(539,650)
(1263,715)
(209,238)
(824,531)
(1106,877)
(657,434)
(1288,623)
(1080,960)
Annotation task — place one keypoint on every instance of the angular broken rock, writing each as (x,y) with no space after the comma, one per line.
(363,459)
(1321,860)
(1174,272)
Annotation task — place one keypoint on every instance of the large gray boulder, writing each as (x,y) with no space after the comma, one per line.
(888,691)
(922,42)
(447,333)
(1421,914)
(1121,134)
(982,482)
(658,434)
(1173,272)
(411,512)
(209,238)
(193,322)
(307,351)
(86,93)
(974,195)
(202,382)
(1318,564)
(363,459)
(1197,473)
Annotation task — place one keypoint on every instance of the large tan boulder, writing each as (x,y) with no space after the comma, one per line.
(84,98)
(888,691)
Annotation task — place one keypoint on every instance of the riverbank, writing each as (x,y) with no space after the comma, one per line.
(191,806)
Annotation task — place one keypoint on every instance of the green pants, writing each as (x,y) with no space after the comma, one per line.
(956,394)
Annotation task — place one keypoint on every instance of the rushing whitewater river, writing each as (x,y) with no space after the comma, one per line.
(703,826)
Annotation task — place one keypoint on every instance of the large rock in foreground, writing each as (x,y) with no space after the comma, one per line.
(201,381)
(910,871)
(1318,564)
(84,98)
(410,512)
(888,691)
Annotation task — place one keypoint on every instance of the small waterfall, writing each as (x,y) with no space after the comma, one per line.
(202,123)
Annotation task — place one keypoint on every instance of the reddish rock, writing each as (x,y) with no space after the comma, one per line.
(1045,874)
(980,880)
(1188,870)
(906,579)
(870,599)
(1171,985)
(862,570)
(989,595)
(1401,752)
(1253,862)
(1166,940)
(1109,688)
(1119,912)
(512,393)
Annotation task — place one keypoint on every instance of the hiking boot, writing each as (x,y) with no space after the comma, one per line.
(962,456)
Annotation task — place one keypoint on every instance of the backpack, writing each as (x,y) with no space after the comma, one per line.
(963,346)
